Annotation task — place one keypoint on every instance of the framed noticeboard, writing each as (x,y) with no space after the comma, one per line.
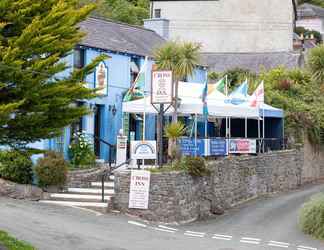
(162,87)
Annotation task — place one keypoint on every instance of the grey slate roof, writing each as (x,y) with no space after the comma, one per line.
(255,62)
(119,37)
(309,10)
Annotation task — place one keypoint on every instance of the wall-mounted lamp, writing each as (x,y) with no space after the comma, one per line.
(113,109)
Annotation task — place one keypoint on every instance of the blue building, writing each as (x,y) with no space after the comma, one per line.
(127,46)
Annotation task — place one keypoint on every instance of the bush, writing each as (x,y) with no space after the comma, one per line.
(16,166)
(52,170)
(195,166)
(81,152)
(311,218)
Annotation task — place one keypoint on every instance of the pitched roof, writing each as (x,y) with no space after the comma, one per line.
(255,62)
(109,35)
(310,10)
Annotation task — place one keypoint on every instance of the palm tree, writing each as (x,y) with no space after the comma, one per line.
(174,131)
(180,57)
(316,63)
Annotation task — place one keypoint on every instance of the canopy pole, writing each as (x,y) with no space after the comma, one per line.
(196,129)
(283,133)
(259,136)
(206,128)
(263,131)
(230,128)
(246,130)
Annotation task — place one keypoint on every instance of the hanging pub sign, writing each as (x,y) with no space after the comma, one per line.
(139,189)
(242,146)
(161,87)
(143,150)
(101,79)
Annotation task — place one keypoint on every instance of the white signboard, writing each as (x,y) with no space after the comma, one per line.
(121,154)
(102,79)
(143,150)
(242,146)
(139,189)
(162,88)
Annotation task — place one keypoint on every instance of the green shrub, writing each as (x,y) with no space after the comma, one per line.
(12,243)
(195,166)
(51,170)
(81,152)
(16,166)
(311,218)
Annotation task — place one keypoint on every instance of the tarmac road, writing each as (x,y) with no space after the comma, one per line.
(266,224)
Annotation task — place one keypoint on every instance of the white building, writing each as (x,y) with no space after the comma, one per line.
(227,26)
(249,34)
(311,17)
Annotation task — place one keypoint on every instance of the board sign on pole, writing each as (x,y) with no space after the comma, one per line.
(121,154)
(139,189)
(242,146)
(162,87)
(143,150)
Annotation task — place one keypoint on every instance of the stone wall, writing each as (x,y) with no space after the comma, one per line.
(178,197)
(19,191)
(83,178)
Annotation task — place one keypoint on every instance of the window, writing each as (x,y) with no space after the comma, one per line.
(157,13)
(79,58)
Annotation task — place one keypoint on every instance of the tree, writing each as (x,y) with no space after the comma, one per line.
(35,35)
(315,2)
(127,11)
(182,59)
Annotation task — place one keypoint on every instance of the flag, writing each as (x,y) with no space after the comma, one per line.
(204,99)
(257,97)
(241,91)
(137,89)
(219,86)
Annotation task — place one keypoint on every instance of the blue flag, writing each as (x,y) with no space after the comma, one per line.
(204,99)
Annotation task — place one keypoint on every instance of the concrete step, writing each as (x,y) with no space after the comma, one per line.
(107,184)
(89,191)
(77,203)
(77,197)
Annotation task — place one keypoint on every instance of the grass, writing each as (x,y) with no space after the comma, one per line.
(13,244)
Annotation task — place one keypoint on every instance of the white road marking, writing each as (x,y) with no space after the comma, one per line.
(192,232)
(88,210)
(306,248)
(136,223)
(194,235)
(221,238)
(168,228)
(164,230)
(278,244)
(252,239)
(250,242)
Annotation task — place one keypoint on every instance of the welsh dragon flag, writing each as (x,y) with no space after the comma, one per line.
(136,91)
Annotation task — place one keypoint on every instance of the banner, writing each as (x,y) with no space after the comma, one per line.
(143,150)
(188,147)
(242,146)
(217,147)
(101,79)
(139,189)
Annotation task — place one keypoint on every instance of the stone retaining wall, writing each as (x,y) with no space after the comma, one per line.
(179,197)
(83,178)
(20,191)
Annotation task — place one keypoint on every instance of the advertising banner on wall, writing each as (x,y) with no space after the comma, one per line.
(242,146)
(162,88)
(121,154)
(143,150)
(139,189)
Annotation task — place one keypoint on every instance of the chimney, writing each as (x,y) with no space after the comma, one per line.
(159,25)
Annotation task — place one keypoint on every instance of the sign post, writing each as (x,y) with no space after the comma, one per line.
(161,93)
(139,189)
(121,154)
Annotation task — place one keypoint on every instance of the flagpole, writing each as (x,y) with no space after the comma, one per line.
(263,128)
(144,109)
(196,128)
(206,115)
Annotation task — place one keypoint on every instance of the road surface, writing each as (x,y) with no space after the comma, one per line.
(268,223)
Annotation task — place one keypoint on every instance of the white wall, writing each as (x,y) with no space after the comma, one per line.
(231,25)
